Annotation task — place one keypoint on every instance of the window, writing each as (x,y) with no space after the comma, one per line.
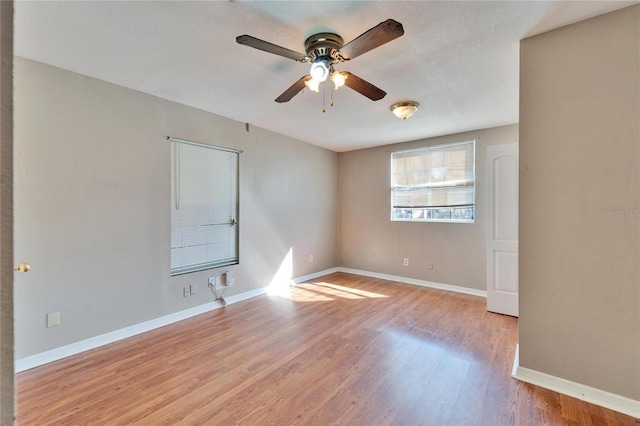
(204,206)
(434,184)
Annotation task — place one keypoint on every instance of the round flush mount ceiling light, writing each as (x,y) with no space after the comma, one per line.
(405,109)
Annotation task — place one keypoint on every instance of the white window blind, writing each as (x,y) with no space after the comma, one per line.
(204,206)
(434,183)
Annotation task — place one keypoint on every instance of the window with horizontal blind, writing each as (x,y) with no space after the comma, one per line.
(434,184)
(204,206)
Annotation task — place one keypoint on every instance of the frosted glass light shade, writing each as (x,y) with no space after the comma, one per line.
(320,70)
(404,110)
(313,85)
(338,79)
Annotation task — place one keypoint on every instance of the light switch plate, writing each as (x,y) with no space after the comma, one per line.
(53,319)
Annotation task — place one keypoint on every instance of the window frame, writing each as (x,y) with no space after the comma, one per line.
(234,198)
(431,148)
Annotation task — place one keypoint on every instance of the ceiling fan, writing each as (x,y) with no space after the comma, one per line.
(323,50)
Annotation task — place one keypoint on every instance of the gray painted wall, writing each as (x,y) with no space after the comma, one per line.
(579,174)
(370,241)
(92,182)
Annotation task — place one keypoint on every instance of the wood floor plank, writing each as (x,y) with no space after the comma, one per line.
(435,405)
(341,349)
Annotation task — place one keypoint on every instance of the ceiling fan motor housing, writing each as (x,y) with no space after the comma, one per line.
(324,45)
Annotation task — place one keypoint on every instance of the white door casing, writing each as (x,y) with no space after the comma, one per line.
(502,233)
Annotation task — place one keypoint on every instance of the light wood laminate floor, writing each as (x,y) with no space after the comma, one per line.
(342,349)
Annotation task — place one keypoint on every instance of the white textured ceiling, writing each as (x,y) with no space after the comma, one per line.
(460,60)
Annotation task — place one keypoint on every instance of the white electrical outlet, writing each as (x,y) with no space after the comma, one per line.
(310,258)
(186,291)
(406,261)
(53,319)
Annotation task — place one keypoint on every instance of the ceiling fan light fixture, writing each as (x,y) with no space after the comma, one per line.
(320,69)
(404,110)
(313,85)
(338,79)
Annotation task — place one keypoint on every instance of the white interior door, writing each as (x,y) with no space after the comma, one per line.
(502,235)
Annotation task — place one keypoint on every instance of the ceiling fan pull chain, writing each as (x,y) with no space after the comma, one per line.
(324,108)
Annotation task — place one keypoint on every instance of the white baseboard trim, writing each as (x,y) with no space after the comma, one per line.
(595,396)
(113,336)
(104,339)
(314,275)
(422,283)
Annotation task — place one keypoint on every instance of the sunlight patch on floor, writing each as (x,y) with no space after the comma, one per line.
(328,290)
(282,285)
(301,295)
(321,292)
(356,291)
